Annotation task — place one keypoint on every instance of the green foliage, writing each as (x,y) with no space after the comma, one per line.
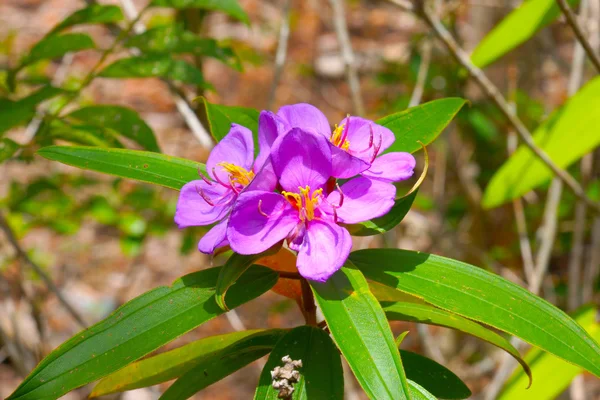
(56,46)
(234,267)
(321,374)
(554,374)
(173,39)
(422,123)
(93,14)
(230,7)
(7,149)
(417,392)
(524,171)
(15,113)
(122,120)
(388,221)
(362,333)
(221,117)
(479,295)
(137,328)
(437,379)
(156,168)
(155,66)
(89,135)
(518,27)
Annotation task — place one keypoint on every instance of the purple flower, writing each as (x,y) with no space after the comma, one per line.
(356,144)
(304,213)
(231,170)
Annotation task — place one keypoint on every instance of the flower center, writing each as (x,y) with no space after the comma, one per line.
(338,137)
(237,174)
(304,202)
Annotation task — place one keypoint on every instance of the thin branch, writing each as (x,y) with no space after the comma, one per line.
(308,303)
(281,53)
(38,270)
(572,20)
(494,94)
(341,30)
(417,93)
(592,268)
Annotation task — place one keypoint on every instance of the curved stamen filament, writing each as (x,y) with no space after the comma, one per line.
(204,196)
(377,148)
(337,186)
(264,214)
(214,171)
(233,185)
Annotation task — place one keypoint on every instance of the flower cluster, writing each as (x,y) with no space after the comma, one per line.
(291,190)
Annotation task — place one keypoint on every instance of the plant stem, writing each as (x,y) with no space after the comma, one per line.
(308,303)
(572,21)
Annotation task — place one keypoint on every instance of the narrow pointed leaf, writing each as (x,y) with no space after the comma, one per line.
(135,329)
(234,267)
(15,113)
(230,7)
(155,66)
(518,27)
(556,374)
(56,46)
(122,120)
(93,14)
(422,123)
(321,374)
(144,166)
(362,333)
(418,392)
(221,117)
(387,222)
(435,378)
(87,135)
(174,363)
(479,295)
(426,314)
(566,136)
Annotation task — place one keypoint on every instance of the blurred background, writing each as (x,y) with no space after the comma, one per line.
(103,241)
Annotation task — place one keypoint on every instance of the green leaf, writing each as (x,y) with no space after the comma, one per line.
(422,123)
(426,314)
(173,39)
(556,374)
(388,221)
(135,329)
(94,14)
(123,120)
(418,392)
(221,117)
(174,363)
(362,333)
(56,46)
(230,7)
(436,378)
(15,113)
(566,136)
(518,27)
(321,374)
(155,168)
(7,149)
(82,134)
(479,295)
(155,66)
(234,267)
(220,364)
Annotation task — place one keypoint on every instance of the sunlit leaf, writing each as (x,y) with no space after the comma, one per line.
(234,267)
(7,149)
(15,113)
(156,168)
(518,27)
(221,117)
(566,136)
(93,14)
(230,7)
(87,135)
(422,123)
(321,374)
(205,354)
(361,331)
(135,329)
(479,295)
(417,392)
(155,66)
(123,120)
(555,374)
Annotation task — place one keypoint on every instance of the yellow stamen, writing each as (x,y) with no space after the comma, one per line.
(304,202)
(237,174)
(336,137)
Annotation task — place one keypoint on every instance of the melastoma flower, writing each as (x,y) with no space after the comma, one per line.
(304,212)
(231,170)
(356,144)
